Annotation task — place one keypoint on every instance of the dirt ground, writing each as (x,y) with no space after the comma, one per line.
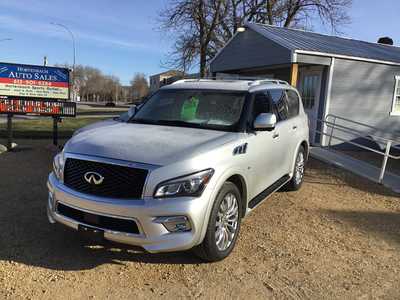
(339,237)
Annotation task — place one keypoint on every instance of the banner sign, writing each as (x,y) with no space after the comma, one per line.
(38,107)
(34,81)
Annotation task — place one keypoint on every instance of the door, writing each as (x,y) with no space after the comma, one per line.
(263,150)
(309,87)
(287,111)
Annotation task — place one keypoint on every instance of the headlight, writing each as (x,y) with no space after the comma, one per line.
(58,165)
(190,185)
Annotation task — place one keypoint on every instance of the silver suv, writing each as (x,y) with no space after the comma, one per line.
(185,168)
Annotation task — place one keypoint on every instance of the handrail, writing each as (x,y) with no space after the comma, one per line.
(347,130)
(361,124)
(390,143)
(360,133)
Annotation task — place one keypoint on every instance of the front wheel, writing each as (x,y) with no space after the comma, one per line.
(298,173)
(223,226)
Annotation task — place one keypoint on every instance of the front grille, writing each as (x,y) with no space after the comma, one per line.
(103,222)
(119,181)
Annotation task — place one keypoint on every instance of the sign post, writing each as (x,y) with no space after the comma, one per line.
(44,108)
(37,91)
(55,131)
(9,132)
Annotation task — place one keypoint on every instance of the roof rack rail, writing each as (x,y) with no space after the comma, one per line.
(263,81)
(252,80)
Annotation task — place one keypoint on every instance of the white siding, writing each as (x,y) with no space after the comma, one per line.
(363,92)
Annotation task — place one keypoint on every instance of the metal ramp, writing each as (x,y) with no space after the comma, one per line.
(333,125)
(358,167)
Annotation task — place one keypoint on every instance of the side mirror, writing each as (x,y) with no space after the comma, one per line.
(132,111)
(265,121)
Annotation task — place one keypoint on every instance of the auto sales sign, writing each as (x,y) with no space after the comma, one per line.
(34,81)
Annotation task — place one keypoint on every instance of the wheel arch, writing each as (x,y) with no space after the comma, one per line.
(306,147)
(237,177)
(240,183)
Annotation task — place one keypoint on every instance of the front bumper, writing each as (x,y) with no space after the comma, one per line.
(152,236)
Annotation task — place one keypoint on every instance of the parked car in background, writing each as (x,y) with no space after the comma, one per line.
(110,104)
(183,170)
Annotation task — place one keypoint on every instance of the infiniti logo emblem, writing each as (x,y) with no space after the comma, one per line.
(93,178)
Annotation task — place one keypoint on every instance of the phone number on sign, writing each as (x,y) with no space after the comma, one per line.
(32,82)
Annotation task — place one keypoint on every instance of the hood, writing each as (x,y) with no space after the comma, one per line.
(95,125)
(150,144)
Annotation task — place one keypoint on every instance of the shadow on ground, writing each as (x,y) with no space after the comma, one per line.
(321,174)
(31,240)
(26,236)
(384,225)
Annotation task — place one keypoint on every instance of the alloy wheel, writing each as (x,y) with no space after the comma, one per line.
(227,222)
(299,169)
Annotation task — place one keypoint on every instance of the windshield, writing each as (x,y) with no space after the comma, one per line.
(193,108)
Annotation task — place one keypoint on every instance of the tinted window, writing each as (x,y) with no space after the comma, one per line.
(279,99)
(293,103)
(261,104)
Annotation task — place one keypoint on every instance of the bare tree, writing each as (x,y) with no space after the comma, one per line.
(139,86)
(202,27)
(196,21)
(92,85)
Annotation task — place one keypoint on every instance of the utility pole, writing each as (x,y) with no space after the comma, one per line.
(9,117)
(74,55)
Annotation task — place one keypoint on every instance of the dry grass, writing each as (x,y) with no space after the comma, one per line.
(43,127)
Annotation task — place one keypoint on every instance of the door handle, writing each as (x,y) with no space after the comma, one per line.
(275,135)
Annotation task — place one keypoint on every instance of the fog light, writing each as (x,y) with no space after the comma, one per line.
(175,223)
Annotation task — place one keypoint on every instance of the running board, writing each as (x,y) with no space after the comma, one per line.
(268,191)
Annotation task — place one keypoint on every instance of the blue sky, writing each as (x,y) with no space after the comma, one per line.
(121,37)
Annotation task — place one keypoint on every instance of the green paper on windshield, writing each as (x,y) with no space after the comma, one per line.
(189,108)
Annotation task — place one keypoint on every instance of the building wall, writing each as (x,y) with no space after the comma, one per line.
(158,80)
(313,59)
(276,73)
(249,49)
(363,92)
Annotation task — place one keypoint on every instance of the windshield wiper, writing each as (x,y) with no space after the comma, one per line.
(143,121)
(180,123)
(164,122)
(177,123)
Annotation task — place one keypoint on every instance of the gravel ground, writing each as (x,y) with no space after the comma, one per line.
(339,237)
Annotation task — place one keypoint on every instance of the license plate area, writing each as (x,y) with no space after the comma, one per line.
(95,221)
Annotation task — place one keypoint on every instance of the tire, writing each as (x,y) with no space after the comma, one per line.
(298,172)
(213,249)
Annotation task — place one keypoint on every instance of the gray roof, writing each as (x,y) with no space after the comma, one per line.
(294,39)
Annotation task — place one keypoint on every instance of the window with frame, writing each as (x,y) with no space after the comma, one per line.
(293,103)
(278,97)
(261,105)
(396,97)
(308,88)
